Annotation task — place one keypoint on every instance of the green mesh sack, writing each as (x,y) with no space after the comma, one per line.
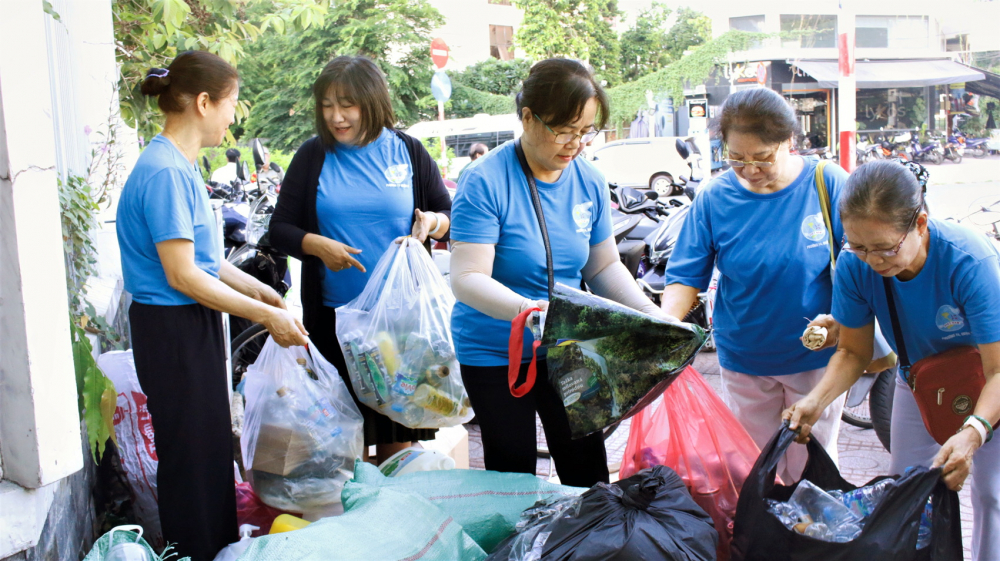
(378,524)
(127,534)
(486,503)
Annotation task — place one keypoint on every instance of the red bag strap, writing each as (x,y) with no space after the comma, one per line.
(515,350)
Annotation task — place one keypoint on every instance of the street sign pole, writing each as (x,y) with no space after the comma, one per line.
(847,85)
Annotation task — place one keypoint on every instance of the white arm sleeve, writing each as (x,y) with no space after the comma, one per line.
(473,283)
(605,274)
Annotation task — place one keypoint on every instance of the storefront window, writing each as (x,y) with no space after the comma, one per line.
(894,32)
(808,31)
(752,24)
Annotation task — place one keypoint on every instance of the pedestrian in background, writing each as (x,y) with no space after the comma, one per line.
(498,266)
(227,173)
(761,225)
(945,281)
(348,193)
(476,151)
(171,261)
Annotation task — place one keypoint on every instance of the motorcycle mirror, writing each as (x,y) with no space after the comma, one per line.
(651,195)
(206,164)
(258,153)
(243,171)
(682,148)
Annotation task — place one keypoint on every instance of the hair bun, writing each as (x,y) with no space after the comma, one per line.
(156,82)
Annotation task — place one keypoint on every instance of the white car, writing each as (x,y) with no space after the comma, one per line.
(652,163)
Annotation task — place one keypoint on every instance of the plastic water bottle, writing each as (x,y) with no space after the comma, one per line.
(924,533)
(842,524)
(864,500)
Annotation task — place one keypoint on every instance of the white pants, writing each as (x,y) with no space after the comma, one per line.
(757,402)
(912,445)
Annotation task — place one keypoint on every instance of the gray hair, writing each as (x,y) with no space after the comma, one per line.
(884,191)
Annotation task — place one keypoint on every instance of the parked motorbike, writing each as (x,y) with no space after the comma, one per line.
(976,147)
(953,149)
(931,152)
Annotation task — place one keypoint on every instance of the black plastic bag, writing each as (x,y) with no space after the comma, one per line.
(647,516)
(890,533)
(608,361)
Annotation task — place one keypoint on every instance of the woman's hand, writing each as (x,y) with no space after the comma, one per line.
(267,295)
(955,457)
(802,415)
(335,255)
(827,322)
(286,329)
(423,223)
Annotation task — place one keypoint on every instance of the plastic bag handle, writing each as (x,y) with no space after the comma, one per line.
(515,350)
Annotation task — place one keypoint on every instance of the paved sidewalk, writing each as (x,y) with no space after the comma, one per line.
(862,456)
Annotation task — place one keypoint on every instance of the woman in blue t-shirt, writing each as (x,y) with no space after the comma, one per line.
(348,193)
(761,225)
(171,261)
(945,280)
(498,265)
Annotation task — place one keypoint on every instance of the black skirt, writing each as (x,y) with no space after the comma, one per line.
(180,360)
(379,429)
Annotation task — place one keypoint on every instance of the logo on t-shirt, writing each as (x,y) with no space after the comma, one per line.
(949,318)
(813,227)
(397,175)
(582,217)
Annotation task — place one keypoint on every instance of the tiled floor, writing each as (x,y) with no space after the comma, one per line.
(862,456)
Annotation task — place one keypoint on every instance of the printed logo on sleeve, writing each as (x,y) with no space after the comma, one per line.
(397,175)
(949,318)
(582,216)
(814,228)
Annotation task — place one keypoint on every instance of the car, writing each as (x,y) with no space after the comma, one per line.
(652,163)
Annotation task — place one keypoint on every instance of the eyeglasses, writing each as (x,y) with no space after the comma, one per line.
(758,165)
(884,253)
(567,137)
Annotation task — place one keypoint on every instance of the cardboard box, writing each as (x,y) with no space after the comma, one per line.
(281,449)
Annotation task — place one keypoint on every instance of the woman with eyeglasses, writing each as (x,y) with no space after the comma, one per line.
(761,225)
(945,283)
(498,266)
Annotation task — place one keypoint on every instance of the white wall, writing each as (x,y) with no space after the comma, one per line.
(467,28)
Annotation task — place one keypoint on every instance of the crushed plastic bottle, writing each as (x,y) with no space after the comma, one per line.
(841,523)
(924,533)
(863,500)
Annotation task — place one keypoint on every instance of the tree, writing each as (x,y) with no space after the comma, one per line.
(581,29)
(150,33)
(279,73)
(644,46)
(691,29)
(499,77)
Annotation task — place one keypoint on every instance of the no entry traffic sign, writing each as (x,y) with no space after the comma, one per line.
(439,52)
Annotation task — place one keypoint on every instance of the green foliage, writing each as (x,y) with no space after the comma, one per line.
(433,146)
(644,46)
(918,113)
(280,71)
(97,395)
(150,33)
(579,29)
(691,30)
(494,76)
(694,68)
(468,102)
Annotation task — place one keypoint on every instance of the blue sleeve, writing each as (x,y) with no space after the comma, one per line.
(475,213)
(835,178)
(978,293)
(693,258)
(850,308)
(601,228)
(168,206)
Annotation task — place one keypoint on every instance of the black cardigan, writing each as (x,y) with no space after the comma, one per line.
(295,215)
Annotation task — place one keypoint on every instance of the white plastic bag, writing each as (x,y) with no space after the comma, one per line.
(302,431)
(134,431)
(396,339)
(409,460)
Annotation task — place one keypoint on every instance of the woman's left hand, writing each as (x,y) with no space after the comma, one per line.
(832,330)
(955,458)
(423,223)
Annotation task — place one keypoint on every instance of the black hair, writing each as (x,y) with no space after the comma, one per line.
(557,90)
(885,191)
(358,80)
(761,112)
(478,149)
(233,155)
(189,75)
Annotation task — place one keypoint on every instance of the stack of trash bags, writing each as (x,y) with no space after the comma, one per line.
(397,344)
(906,518)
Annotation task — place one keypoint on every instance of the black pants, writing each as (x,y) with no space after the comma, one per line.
(379,429)
(181,364)
(508,427)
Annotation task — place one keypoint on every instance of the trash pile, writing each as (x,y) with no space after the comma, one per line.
(396,339)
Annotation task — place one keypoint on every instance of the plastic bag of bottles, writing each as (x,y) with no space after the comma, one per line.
(302,431)
(396,339)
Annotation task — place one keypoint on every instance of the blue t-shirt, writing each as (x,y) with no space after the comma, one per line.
(493,206)
(164,199)
(364,200)
(773,253)
(954,300)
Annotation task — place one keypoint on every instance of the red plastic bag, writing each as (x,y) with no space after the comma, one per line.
(694,433)
(251,510)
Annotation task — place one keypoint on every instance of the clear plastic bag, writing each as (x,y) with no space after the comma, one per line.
(302,431)
(396,339)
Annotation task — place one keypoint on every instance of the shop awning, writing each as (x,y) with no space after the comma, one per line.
(891,73)
(989,85)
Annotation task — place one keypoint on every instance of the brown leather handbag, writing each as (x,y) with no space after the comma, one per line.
(946,386)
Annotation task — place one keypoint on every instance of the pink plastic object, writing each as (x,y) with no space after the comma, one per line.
(251,510)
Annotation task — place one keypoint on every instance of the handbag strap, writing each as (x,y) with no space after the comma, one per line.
(824,205)
(897,331)
(537,202)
